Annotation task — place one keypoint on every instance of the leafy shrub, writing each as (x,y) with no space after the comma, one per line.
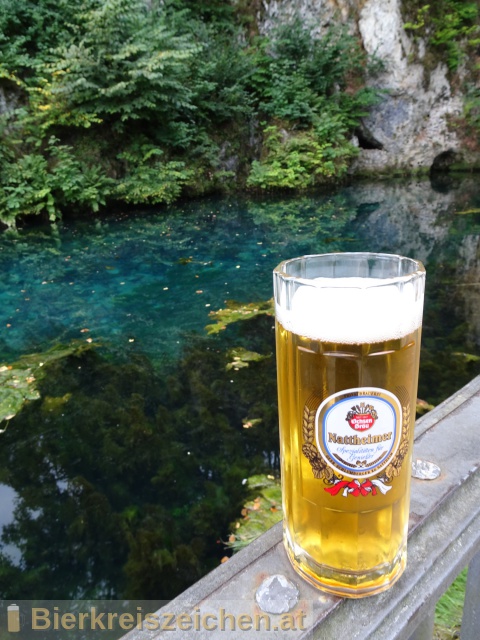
(30,30)
(43,183)
(310,85)
(124,63)
(298,160)
(148,179)
(450,26)
(146,101)
(456,24)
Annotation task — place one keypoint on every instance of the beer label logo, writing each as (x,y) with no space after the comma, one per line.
(354,435)
(362,417)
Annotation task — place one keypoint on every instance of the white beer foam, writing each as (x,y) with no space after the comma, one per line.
(353,310)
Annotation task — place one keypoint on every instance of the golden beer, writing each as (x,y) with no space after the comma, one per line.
(347,359)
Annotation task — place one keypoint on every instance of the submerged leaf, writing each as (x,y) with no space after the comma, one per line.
(236,311)
(241,358)
(248,423)
(18,382)
(11,401)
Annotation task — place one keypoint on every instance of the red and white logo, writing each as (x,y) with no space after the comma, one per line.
(362,417)
(358,431)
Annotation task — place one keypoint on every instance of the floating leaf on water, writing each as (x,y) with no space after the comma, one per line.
(236,311)
(241,358)
(11,401)
(248,423)
(18,382)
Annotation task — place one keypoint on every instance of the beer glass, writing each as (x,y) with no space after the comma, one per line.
(348,344)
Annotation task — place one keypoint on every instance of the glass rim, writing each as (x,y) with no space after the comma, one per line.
(418,270)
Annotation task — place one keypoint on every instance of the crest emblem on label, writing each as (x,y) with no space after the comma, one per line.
(358,431)
(362,417)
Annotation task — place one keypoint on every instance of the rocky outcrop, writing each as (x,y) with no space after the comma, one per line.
(412,122)
(413,126)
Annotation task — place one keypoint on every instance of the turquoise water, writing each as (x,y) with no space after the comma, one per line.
(123,478)
(142,282)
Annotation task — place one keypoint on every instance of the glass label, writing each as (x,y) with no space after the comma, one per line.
(358,431)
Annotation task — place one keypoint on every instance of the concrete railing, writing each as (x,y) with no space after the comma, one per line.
(444,537)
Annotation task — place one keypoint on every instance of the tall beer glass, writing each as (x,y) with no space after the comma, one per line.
(348,344)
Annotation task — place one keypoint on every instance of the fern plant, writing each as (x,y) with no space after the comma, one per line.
(299,160)
(149,179)
(44,183)
(451,27)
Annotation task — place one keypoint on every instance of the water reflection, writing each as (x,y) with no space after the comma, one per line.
(128,470)
(7,504)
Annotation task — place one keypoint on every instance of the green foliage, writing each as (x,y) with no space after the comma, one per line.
(30,30)
(298,160)
(472,108)
(35,183)
(312,86)
(222,73)
(219,12)
(422,14)
(143,102)
(449,609)
(260,513)
(450,26)
(458,23)
(301,70)
(148,180)
(124,63)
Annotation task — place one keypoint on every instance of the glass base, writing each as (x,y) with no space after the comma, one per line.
(351,584)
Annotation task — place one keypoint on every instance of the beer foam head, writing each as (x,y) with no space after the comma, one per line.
(352,310)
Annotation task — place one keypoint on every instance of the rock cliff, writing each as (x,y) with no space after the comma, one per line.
(418,124)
